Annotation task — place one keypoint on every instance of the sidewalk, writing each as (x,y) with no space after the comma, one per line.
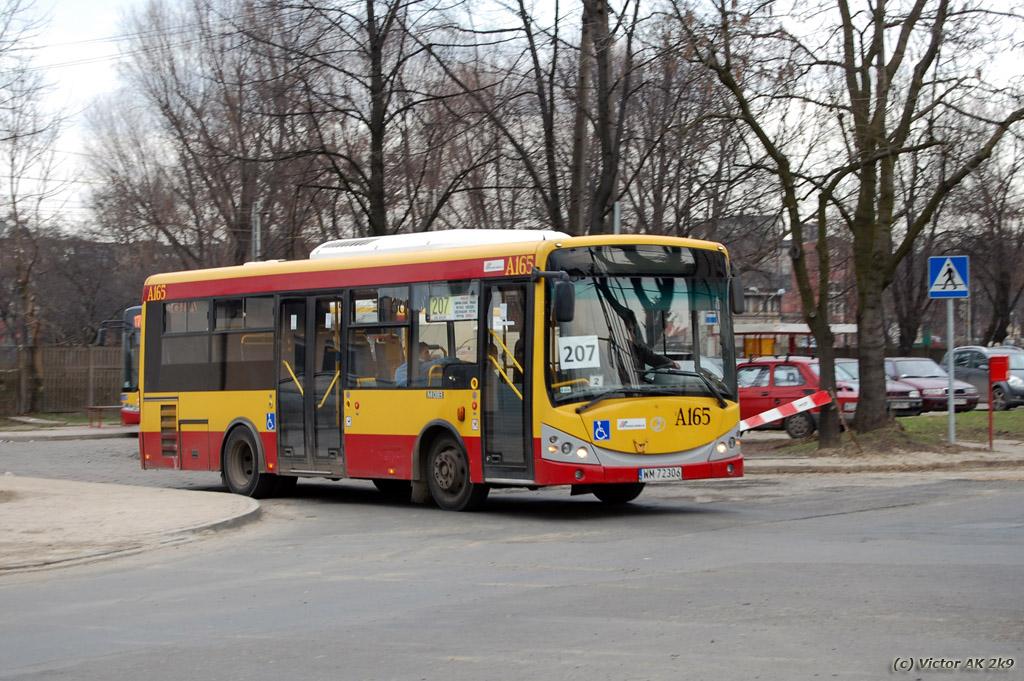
(29,434)
(48,523)
(51,523)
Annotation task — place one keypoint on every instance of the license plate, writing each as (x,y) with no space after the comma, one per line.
(901,405)
(661,474)
(959,401)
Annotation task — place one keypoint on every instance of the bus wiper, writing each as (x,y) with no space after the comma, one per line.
(695,374)
(600,398)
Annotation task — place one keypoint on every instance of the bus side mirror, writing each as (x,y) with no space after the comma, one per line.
(736,295)
(563,301)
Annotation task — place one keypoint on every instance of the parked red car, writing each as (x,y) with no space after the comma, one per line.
(769,382)
(933,382)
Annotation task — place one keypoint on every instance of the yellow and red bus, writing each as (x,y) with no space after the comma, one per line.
(444,364)
(131,334)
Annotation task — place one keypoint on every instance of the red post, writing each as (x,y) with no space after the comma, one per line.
(998,370)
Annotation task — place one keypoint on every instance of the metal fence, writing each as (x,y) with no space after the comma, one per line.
(73,378)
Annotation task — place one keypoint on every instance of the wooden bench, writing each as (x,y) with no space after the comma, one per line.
(97,414)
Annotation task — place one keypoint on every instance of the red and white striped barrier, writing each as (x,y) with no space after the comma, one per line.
(803,404)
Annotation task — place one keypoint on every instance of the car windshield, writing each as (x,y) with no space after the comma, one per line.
(845,371)
(918,368)
(662,334)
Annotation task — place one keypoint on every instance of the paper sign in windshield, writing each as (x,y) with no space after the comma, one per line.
(578,352)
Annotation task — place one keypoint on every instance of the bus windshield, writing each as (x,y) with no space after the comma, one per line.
(130,338)
(648,321)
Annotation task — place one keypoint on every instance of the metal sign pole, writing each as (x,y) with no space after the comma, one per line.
(951,402)
(949,277)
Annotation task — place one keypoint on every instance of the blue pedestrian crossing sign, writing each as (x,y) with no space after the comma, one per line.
(948,276)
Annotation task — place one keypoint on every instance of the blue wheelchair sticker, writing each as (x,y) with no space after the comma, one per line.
(602,430)
(271,421)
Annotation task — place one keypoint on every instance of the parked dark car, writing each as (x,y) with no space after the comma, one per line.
(970,363)
(768,382)
(928,377)
(902,399)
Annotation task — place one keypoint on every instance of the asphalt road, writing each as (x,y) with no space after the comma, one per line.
(770,577)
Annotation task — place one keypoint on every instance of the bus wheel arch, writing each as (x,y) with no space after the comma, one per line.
(420,454)
(445,471)
(241,463)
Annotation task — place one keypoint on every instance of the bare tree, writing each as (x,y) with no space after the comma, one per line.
(28,133)
(990,211)
(561,106)
(870,80)
(205,129)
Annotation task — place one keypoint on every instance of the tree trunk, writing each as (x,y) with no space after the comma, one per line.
(580,138)
(871,414)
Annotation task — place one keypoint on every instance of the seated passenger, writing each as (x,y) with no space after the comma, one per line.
(425,362)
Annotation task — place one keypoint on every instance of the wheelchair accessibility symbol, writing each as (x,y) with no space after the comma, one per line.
(271,421)
(602,430)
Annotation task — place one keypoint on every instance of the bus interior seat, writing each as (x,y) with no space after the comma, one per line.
(361,364)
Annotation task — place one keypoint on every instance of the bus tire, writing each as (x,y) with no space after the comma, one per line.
(448,477)
(618,492)
(240,467)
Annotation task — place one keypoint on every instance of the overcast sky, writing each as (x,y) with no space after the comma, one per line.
(77,49)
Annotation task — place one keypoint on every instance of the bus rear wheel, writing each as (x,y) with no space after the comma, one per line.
(448,477)
(618,492)
(240,467)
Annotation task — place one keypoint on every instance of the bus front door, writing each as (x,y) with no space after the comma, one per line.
(506,386)
(309,390)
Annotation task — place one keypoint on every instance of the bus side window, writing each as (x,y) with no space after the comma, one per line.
(361,365)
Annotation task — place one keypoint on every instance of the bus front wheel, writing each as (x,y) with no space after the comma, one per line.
(448,477)
(240,467)
(618,492)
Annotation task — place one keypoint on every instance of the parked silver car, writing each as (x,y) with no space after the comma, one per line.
(970,363)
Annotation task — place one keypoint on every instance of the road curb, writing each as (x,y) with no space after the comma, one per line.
(62,434)
(778,467)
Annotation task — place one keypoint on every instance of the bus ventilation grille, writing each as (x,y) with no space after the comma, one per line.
(168,430)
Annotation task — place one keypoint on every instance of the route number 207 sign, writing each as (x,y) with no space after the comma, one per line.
(578,352)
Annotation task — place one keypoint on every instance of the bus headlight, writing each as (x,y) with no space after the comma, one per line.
(582,453)
(722,448)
